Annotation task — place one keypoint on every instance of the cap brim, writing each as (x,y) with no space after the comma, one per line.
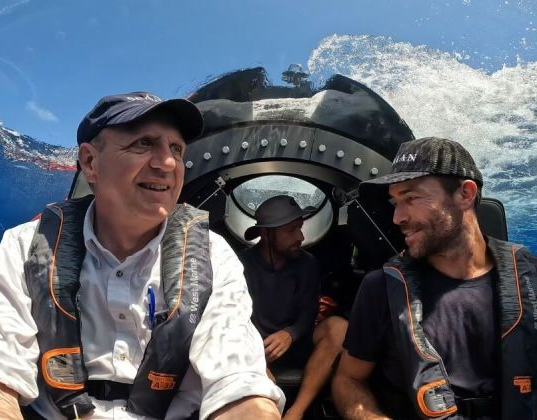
(188,116)
(380,185)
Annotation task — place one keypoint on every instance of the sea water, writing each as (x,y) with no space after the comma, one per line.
(493,114)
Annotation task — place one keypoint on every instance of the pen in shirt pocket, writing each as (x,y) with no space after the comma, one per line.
(155,318)
(151,306)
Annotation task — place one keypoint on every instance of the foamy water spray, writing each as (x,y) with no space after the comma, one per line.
(493,115)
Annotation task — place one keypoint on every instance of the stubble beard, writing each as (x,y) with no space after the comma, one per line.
(442,232)
(288,253)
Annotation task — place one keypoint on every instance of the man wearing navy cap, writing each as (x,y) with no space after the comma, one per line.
(123,304)
(447,328)
(284,282)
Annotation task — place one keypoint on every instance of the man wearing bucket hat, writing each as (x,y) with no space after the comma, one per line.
(446,329)
(123,304)
(284,282)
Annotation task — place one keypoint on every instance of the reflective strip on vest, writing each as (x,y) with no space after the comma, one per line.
(426,379)
(52,276)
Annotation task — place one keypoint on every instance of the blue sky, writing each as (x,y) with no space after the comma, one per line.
(57,57)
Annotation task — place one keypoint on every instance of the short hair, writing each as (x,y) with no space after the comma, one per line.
(450,184)
(97,142)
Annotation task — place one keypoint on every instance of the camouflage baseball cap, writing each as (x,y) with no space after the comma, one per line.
(427,156)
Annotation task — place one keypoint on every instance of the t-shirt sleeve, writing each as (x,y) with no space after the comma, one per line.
(368,320)
(309,301)
(226,350)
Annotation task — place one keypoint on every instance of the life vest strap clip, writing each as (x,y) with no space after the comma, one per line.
(475,407)
(108,390)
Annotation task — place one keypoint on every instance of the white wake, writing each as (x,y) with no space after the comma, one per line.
(493,115)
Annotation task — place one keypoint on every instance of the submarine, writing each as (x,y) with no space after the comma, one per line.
(317,144)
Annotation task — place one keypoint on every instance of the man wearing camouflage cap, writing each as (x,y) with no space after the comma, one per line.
(446,329)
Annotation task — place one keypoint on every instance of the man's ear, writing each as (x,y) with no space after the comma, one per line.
(88,159)
(468,193)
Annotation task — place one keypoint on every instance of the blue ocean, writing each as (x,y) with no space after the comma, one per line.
(493,113)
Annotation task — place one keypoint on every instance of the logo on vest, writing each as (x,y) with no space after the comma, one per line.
(523,383)
(195,287)
(533,299)
(161,381)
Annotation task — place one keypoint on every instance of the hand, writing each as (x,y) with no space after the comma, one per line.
(277,344)
(9,404)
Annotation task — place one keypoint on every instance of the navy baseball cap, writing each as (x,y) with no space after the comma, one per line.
(426,156)
(128,107)
(275,212)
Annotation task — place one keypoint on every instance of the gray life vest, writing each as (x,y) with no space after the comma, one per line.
(52,275)
(426,379)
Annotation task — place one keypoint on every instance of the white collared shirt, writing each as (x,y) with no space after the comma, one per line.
(226,353)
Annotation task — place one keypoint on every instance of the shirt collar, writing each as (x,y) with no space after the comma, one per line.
(98,251)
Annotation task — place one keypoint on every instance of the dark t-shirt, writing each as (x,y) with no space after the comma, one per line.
(458,319)
(283,299)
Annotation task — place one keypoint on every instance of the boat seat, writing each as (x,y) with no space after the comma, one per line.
(289,379)
(286,377)
(491,217)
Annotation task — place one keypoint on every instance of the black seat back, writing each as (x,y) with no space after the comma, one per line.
(491,217)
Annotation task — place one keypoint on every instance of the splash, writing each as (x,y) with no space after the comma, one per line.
(436,93)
